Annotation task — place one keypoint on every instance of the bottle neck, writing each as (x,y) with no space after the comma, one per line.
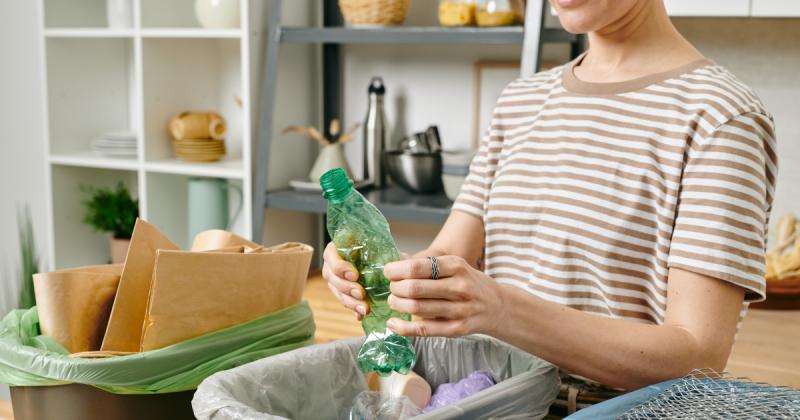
(336,186)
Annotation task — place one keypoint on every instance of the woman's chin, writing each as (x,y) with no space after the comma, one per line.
(576,22)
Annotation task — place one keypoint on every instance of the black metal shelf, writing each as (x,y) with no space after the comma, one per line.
(415,35)
(394,202)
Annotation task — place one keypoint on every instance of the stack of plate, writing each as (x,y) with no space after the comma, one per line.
(116,143)
(199,150)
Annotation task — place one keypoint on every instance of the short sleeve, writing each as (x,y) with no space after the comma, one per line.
(474,195)
(724,204)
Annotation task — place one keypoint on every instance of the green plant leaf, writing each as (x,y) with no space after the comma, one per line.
(29,260)
(111,210)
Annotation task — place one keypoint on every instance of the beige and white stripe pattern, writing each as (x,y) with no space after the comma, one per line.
(590,192)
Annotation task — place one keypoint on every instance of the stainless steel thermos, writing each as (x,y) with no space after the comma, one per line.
(375,134)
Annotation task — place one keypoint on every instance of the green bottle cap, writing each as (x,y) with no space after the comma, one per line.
(335,184)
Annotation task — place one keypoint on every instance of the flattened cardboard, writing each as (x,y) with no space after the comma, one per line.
(74,304)
(195,293)
(124,332)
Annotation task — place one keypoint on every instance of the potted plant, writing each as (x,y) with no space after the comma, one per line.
(112,210)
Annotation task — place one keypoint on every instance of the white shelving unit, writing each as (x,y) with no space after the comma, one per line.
(100,79)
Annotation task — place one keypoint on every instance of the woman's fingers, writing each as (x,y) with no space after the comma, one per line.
(357,306)
(420,268)
(337,265)
(428,327)
(430,308)
(423,289)
(345,287)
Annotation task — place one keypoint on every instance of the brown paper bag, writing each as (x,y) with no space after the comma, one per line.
(210,240)
(124,332)
(74,304)
(195,293)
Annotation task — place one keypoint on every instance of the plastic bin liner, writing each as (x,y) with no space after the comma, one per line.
(320,382)
(30,359)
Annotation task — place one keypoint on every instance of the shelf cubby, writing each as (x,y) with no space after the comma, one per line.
(90,91)
(76,243)
(191,75)
(171,215)
(75,14)
(168,14)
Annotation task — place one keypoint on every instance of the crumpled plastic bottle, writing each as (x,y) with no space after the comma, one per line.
(362,237)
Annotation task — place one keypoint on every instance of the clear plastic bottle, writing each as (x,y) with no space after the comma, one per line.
(362,237)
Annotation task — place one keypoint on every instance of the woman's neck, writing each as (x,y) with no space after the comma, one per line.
(641,42)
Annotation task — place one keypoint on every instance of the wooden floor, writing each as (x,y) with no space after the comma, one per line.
(767,348)
(333,321)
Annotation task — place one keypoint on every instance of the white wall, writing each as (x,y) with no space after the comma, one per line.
(22,139)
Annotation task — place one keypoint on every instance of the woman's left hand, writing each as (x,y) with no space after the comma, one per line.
(461,301)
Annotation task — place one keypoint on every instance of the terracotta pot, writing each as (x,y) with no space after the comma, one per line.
(119,250)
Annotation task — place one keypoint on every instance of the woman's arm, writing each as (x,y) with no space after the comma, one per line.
(462,235)
(698,331)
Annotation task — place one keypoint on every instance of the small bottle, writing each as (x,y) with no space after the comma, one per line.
(457,13)
(375,134)
(500,12)
(362,237)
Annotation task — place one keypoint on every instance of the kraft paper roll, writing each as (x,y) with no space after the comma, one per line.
(74,304)
(197,125)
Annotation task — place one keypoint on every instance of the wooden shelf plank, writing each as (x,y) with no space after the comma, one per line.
(88,159)
(414,35)
(190,33)
(228,168)
(88,33)
(394,202)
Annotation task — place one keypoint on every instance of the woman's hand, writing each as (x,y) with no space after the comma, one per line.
(342,279)
(462,301)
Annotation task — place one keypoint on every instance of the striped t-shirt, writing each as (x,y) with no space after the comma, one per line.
(589,192)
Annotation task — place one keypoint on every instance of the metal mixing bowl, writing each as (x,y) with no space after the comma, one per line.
(419,173)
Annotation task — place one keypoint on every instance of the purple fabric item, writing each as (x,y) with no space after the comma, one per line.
(447,394)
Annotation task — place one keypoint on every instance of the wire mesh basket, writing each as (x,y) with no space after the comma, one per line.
(706,394)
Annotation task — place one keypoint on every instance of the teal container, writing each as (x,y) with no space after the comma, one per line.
(208,205)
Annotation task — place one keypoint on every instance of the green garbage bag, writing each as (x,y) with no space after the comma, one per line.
(30,359)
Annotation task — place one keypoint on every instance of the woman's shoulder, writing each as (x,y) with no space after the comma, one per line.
(719,87)
(538,83)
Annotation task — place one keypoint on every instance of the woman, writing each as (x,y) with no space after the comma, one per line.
(614,219)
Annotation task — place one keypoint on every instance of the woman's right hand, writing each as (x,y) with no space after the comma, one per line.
(342,279)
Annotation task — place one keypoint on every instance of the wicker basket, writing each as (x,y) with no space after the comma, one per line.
(374,12)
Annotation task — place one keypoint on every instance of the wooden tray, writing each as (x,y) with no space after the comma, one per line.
(781,294)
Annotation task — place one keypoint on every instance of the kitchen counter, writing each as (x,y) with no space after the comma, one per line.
(767,347)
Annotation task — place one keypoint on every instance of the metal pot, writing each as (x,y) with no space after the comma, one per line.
(419,173)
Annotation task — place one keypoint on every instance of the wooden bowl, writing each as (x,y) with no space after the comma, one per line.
(781,294)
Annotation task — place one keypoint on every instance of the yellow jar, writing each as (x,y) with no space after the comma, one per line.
(457,12)
(500,12)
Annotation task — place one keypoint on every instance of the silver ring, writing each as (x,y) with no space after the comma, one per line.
(434,268)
